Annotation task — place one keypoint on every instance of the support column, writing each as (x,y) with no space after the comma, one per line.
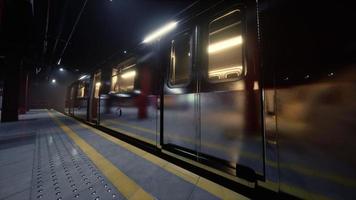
(11,91)
(23,92)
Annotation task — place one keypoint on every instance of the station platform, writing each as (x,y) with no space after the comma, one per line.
(47,155)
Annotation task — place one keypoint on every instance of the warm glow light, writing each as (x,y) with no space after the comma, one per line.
(114,79)
(98,84)
(129,74)
(225,44)
(160,32)
(224,71)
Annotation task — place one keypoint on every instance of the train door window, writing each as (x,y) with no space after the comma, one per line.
(114,80)
(181,60)
(72,92)
(126,78)
(81,90)
(97,85)
(225,55)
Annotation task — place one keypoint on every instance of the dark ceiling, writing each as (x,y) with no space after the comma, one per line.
(104,28)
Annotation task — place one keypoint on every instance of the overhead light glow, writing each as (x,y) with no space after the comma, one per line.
(61,69)
(160,32)
(59,61)
(129,74)
(225,44)
(54,81)
(83,77)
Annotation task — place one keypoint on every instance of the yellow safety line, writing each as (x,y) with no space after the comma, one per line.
(300,169)
(205,184)
(127,187)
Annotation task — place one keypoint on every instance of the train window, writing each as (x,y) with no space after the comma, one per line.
(81,90)
(225,47)
(181,60)
(114,83)
(97,85)
(97,89)
(123,80)
(72,92)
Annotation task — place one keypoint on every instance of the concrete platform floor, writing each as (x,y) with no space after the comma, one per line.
(47,155)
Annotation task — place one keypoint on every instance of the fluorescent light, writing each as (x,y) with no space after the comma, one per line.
(225,44)
(128,74)
(160,32)
(83,77)
(53,80)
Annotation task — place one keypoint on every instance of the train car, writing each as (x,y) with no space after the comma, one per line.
(259,92)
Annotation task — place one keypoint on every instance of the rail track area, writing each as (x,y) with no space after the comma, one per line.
(47,155)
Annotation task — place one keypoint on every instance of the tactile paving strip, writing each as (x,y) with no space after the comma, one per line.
(62,171)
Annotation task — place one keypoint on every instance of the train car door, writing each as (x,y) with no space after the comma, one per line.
(180,95)
(212,99)
(94,103)
(230,96)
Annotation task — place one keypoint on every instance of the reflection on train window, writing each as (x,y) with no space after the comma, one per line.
(181,54)
(81,90)
(225,47)
(114,85)
(97,85)
(123,80)
(72,92)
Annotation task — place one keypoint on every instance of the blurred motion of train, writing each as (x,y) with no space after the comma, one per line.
(259,92)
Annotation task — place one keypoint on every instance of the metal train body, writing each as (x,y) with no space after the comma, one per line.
(255,92)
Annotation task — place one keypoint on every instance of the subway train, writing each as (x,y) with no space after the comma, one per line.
(261,93)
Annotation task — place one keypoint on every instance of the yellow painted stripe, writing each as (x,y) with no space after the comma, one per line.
(209,186)
(127,187)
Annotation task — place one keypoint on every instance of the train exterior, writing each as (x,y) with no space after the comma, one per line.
(259,92)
